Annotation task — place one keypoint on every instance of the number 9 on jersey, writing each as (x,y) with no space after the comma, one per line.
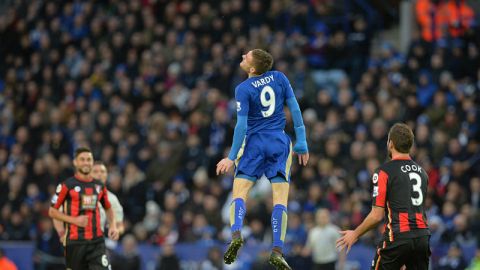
(270,102)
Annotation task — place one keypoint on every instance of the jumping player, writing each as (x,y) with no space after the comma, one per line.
(261,147)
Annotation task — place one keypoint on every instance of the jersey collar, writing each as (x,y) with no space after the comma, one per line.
(78,177)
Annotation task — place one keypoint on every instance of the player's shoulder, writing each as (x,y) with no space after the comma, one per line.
(278,75)
(243,87)
(275,72)
(112,197)
(69,182)
(388,167)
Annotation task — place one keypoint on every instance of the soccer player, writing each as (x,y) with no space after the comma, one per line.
(399,190)
(100,172)
(261,147)
(85,245)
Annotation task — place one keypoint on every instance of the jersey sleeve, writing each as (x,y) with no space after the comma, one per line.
(117,207)
(286,83)
(380,183)
(241,97)
(104,199)
(60,195)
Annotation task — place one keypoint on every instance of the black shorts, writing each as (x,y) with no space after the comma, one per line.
(414,253)
(324,266)
(90,256)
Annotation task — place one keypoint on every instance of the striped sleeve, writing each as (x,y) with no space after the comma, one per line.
(104,199)
(379,194)
(60,195)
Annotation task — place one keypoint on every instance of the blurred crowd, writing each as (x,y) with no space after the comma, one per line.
(148,85)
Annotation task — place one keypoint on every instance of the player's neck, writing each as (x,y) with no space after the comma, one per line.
(400,156)
(83,177)
(250,75)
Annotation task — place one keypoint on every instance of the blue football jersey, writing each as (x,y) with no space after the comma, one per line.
(262,99)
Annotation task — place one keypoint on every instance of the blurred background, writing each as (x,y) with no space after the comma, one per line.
(148,85)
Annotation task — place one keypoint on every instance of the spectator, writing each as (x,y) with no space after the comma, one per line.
(214,260)
(169,259)
(321,242)
(296,258)
(261,262)
(435,15)
(129,257)
(49,252)
(474,191)
(454,259)
(460,232)
(16,228)
(296,232)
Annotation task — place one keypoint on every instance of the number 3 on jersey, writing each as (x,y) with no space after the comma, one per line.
(417,188)
(270,102)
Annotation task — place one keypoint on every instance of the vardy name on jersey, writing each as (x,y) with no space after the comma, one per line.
(263,81)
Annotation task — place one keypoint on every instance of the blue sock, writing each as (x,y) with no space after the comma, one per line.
(279,225)
(237,213)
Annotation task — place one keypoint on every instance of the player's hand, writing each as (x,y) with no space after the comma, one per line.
(120,228)
(303,158)
(301,149)
(347,240)
(224,165)
(61,236)
(113,233)
(81,221)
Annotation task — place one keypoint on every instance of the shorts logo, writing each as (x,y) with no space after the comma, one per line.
(239,106)
(89,201)
(104,260)
(59,188)
(54,199)
(77,189)
(375,178)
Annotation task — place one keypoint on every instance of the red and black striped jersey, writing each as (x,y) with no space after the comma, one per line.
(400,186)
(80,197)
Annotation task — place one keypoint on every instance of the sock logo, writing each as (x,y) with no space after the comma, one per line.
(275,224)
(241,212)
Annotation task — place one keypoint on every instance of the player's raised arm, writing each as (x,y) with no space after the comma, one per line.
(300,147)
(241,98)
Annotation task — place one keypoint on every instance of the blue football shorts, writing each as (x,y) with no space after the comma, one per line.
(268,153)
